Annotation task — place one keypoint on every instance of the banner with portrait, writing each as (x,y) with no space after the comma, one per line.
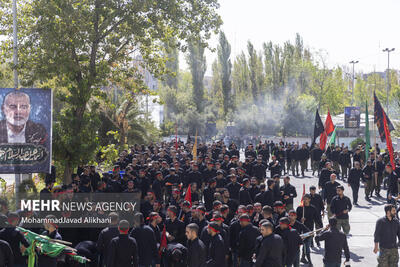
(352,117)
(25,130)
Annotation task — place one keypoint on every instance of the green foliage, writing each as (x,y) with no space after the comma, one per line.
(197,65)
(224,53)
(109,154)
(356,142)
(81,45)
(167,128)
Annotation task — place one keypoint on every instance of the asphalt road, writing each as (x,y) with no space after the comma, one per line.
(362,223)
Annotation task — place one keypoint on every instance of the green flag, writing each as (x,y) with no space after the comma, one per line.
(367,138)
(333,137)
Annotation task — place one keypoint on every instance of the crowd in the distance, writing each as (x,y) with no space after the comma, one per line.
(236,213)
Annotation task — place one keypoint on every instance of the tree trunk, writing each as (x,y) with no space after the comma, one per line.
(67,173)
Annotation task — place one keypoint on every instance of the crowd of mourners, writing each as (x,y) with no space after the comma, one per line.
(213,207)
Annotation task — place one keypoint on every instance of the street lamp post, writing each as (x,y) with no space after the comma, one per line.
(387,79)
(15,71)
(352,87)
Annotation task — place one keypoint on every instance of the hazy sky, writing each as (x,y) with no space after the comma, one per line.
(346,29)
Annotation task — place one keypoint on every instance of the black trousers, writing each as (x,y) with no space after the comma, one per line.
(355,188)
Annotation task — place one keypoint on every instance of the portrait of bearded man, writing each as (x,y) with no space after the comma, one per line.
(16,127)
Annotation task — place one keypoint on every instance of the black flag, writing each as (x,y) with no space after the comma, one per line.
(318,126)
(378,119)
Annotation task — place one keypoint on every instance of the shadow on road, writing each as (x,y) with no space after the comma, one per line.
(355,257)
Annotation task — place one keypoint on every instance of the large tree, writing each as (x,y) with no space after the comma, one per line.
(224,59)
(82,44)
(255,71)
(171,64)
(198,66)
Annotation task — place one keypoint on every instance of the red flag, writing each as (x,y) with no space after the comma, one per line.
(329,128)
(163,244)
(302,197)
(322,140)
(188,195)
(389,144)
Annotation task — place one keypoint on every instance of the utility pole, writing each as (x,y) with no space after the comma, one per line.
(15,61)
(15,43)
(352,89)
(387,79)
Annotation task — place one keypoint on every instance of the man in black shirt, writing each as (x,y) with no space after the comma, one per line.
(387,231)
(355,176)
(216,250)
(316,154)
(15,239)
(274,167)
(123,250)
(288,192)
(340,208)
(379,167)
(105,237)
(197,252)
(335,242)
(174,226)
(316,200)
(329,192)
(345,161)
(146,240)
(247,240)
(272,251)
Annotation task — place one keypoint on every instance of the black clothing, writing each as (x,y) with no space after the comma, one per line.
(300,228)
(339,204)
(244,196)
(168,257)
(345,159)
(303,154)
(194,177)
(330,191)
(216,252)
(386,232)
(275,169)
(311,215)
(271,252)
(177,229)
(208,174)
(234,189)
(14,237)
(393,184)
(268,198)
(259,171)
(123,252)
(335,242)
(105,237)
(247,241)
(234,230)
(324,177)
(316,154)
(292,241)
(355,176)
(367,173)
(6,254)
(317,202)
(146,243)
(197,253)
(208,197)
(290,191)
